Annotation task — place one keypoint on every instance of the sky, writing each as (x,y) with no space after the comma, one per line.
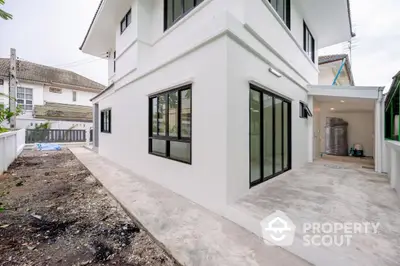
(50,32)
(376,52)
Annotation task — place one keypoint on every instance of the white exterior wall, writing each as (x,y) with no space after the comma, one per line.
(82,97)
(245,67)
(204,181)
(220,47)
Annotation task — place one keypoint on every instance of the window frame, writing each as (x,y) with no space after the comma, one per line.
(304,111)
(74,96)
(105,113)
(125,22)
(275,173)
(308,47)
(115,61)
(287,11)
(182,14)
(24,99)
(168,139)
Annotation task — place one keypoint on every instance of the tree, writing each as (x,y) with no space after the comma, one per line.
(6,114)
(4,14)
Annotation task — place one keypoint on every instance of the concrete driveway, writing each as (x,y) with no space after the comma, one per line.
(327,192)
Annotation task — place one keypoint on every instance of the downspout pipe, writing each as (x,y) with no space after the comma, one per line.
(340,71)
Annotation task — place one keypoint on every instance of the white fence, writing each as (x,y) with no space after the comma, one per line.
(11,145)
(392,163)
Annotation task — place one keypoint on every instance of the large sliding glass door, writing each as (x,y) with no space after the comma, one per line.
(270,135)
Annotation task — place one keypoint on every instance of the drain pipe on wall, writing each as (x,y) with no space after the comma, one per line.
(379,128)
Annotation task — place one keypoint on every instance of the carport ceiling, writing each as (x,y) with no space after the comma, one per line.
(343,104)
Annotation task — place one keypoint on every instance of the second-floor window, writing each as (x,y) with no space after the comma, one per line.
(282,7)
(25,98)
(74,96)
(309,43)
(126,21)
(174,10)
(115,61)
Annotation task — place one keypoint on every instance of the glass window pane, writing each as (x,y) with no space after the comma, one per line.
(185,113)
(28,102)
(188,4)
(180,151)
(28,91)
(20,101)
(278,136)
(170,18)
(159,147)
(20,95)
(255,136)
(280,8)
(161,115)
(285,136)
(173,114)
(177,9)
(154,116)
(128,18)
(268,136)
(20,90)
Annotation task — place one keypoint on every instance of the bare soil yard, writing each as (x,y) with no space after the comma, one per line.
(55,213)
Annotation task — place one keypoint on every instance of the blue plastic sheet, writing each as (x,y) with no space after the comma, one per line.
(48,147)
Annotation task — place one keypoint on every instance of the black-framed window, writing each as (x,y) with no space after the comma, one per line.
(174,10)
(105,121)
(308,42)
(270,135)
(74,96)
(304,111)
(170,124)
(126,21)
(115,61)
(282,7)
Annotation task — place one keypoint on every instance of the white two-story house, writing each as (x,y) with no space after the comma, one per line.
(48,94)
(211,98)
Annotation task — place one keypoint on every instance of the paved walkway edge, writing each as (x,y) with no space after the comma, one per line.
(187,231)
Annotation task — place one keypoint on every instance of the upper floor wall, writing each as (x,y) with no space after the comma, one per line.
(154,32)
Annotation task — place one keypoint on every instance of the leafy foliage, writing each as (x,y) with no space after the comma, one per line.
(4,14)
(6,114)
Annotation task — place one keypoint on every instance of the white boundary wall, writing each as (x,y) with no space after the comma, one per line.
(392,164)
(11,145)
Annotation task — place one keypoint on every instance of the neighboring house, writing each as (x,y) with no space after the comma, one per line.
(50,94)
(330,65)
(211,98)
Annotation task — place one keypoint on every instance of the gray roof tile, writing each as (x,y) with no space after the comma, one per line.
(39,73)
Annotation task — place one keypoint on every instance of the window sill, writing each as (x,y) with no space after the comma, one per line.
(171,159)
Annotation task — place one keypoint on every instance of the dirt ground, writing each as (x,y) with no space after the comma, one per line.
(55,213)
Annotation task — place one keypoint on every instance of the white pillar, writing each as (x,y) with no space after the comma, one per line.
(379,135)
(311,130)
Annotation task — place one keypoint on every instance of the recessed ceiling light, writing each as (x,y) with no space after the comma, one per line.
(332,109)
(342,101)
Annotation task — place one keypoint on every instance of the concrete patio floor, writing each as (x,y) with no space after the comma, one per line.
(192,234)
(328,192)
